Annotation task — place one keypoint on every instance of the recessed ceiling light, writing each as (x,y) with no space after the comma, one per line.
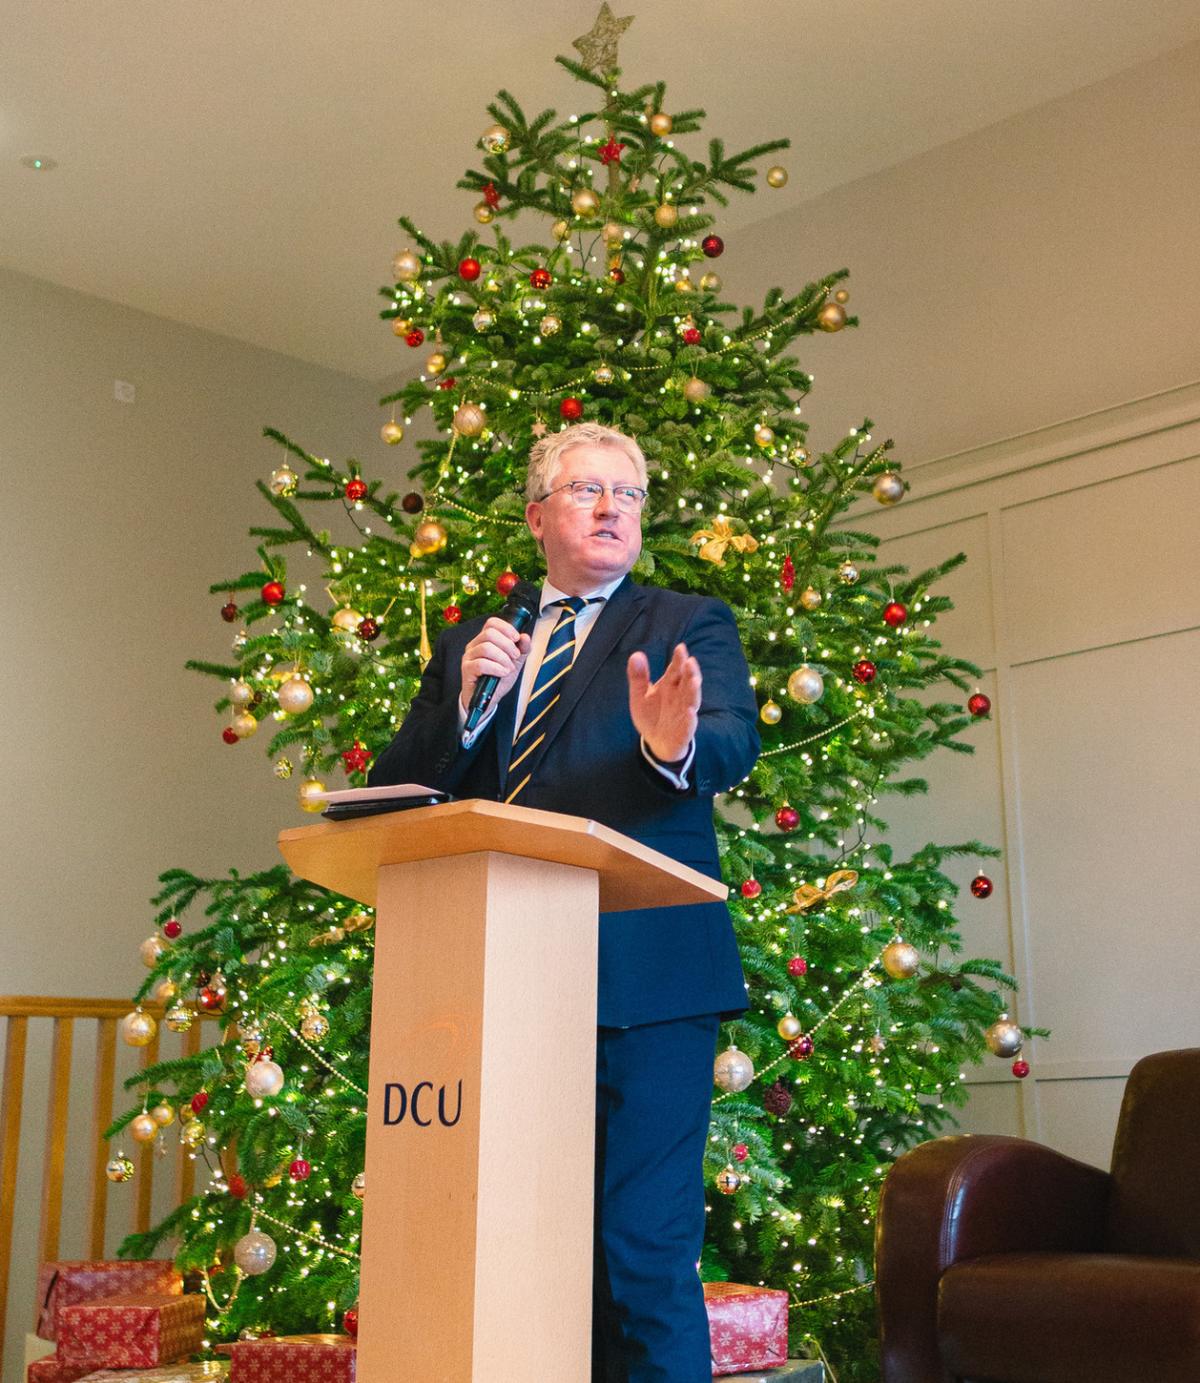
(39,163)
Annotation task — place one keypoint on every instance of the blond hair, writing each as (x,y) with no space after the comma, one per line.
(549,450)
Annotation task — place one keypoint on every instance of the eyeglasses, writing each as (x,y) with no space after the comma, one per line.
(586,494)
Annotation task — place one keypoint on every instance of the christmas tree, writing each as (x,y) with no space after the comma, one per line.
(862,1014)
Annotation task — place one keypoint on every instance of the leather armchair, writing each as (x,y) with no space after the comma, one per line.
(1002,1261)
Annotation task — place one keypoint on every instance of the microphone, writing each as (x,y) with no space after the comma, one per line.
(520,610)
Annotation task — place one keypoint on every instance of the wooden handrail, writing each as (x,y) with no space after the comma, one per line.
(16,1012)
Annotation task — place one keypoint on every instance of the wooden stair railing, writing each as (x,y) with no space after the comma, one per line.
(16,1011)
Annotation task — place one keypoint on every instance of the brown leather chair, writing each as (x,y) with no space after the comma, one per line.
(1001,1261)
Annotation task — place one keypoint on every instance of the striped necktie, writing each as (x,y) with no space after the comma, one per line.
(556,663)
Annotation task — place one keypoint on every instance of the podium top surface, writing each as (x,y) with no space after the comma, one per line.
(346,856)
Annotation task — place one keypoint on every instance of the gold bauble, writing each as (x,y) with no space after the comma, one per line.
(143,1128)
(888,488)
(561,230)
(901,960)
(695,390)
(484,319)
(163,1115)
(811,598)
(789,1027)
(284,768)
(186,1112)
(771,712)
(314,1026)
(295,696)
(729,1181)
(283,481)
(777,176)
(710,282)
(401,326)
(192,1133)
(1004,1038)
(612,233)
(666,215)
(806,685)
(312,795)
(469,419)
(764,435)
(241,693)
(841,296)
(800,456)
(430,536)
(359,1185)
(470,585)
(603,374)
(848,573)
(436,363)
(151,950)
(244,725)
(346,620)
(684,285)
(877,1043)
(550,325)
(484,214)
(119,1168)
(584,202)
(406,266)
(832,317)
(165,991)
(179,1018)
(495,139)
(661,123)
(138,1028)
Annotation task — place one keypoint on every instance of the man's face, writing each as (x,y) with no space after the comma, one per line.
(587,545)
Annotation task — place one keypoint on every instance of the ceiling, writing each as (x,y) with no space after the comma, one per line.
(240,166)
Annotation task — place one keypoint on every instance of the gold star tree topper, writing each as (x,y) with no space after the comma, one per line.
(599,47)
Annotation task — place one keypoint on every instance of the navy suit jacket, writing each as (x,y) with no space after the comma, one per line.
(654,963)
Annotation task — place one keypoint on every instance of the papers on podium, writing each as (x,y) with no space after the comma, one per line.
(351,802)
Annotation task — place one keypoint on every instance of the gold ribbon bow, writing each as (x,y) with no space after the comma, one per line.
(356,922)
(713,541)
(809,896)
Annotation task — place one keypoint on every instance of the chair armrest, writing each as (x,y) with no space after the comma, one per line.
(956,1198)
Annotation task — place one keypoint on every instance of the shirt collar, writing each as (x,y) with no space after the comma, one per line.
(551,593)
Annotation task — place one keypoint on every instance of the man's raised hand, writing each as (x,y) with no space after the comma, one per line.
(665,712)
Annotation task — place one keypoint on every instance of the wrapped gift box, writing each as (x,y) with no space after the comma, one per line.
(294,1359)
(136,1331)
(67,1284)
(51,1369)
(211,1371)
(748,1327)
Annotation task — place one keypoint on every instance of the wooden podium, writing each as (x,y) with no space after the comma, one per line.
(477,1219)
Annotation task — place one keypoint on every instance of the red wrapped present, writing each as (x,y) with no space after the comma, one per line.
(66,1284)
(211,1371)
(51,1369)
(748,1327)
(294,1359)
(137,1331)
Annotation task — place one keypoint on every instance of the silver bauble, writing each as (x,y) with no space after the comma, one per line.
(151,950)
(495,139)
(241,693)
(406,266)
(848,573)
(1004,1038)
(806,685)
(264,1079)
(119,1168)
(733,1070)
(295,695)
(888,488)
(254,1253)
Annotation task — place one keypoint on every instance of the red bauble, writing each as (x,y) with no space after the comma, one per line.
(540,278)
(357,757)
(801,1049)
(979,705)
(740,1152)
(777,1099)
(199,1101)
(368,628)
(506,581)
(469,269)
(787,573)
(273,593)
(712,245)
(571,408)
(895,614)
(229,735)
(447,382)
(237,1187)
(491,194)
(797,966)
(172,928)
(981,886)
(617,274)
(300,1170)
(787,818)
(412,503)
(210,999)
(864,671)
(692,336)
(350,1322)
(229,612)
(1020,1069)
(452,614)
(751,888)
(356,489)
(415,337)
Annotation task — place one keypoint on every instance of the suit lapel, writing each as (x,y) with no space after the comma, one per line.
(621,609)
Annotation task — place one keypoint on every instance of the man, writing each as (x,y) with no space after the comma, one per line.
(630,705)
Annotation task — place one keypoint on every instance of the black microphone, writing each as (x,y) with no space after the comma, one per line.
(520,610)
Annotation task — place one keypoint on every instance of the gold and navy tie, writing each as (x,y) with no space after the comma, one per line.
(556,663)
